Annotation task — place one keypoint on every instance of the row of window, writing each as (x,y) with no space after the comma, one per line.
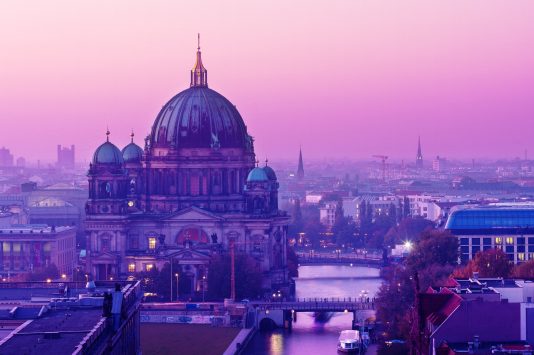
(498,241)
(146,267)
(464,249)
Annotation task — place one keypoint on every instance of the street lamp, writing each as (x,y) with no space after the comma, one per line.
(63,276)
(203,287)
(177,289)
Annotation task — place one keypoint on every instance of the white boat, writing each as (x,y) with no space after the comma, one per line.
(350,341)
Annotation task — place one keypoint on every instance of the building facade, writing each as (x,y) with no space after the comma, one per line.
(509,227)
(193,191)
(27,248)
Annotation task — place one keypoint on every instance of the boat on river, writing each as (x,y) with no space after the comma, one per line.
(352,342)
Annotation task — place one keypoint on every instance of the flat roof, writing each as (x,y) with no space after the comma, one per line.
(70,327)
(500,216)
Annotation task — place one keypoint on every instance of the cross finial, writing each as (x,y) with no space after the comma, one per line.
(266,161)
(132,135)
(198,41)
(257,163)
(107,134)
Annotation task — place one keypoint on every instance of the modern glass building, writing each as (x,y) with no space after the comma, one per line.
(508,226)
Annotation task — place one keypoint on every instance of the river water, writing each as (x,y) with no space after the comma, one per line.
(309,337)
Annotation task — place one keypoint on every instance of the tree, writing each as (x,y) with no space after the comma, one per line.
(394,299)
(409,228)
(297,222)
(292,262)
(488,263)
(524,270)
(406,207)
(434,247)
(248,277)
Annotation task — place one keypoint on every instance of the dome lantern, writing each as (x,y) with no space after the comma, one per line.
(199,74)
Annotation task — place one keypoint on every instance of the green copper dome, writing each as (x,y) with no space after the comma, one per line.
(257,175)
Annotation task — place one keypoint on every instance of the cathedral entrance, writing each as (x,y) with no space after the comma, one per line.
(186,285)
(103,271)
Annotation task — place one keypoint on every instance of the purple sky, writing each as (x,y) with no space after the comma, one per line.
(342,78)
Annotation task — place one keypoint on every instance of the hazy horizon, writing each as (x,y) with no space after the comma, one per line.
(342,79)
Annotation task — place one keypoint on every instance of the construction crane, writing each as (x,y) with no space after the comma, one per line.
(383,158)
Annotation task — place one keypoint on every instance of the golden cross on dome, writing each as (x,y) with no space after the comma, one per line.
(107,134)
(132,135)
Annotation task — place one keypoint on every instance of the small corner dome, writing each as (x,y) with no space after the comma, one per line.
(269,172)
(108,153)
(257,175)
(132,153)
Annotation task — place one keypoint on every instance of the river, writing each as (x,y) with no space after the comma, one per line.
(309,337)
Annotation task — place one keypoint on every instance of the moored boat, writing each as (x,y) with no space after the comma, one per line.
(350,342)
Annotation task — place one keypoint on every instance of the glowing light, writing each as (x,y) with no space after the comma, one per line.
(63,276)
(48,280)
(408,245)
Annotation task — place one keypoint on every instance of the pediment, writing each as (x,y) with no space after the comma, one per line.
(189,254)
(105,256)
(193,214)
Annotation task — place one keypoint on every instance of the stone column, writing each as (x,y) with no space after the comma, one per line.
(22,261)
(11,257)
(32,255)
(1,256)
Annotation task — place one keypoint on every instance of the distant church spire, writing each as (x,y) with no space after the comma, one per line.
(199,74)
(419,158)
(300,170)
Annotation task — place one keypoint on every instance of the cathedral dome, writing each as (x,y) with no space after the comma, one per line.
(107,153)
(269,172)
(257,175)
(132,153)
(199,117)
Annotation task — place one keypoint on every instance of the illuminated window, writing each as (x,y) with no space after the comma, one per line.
(521,256)
(531,256)
(498,240)
(152,243)
(509,240)
(149,267)
(131,267)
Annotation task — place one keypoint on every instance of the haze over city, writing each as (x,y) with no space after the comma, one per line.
(341,78)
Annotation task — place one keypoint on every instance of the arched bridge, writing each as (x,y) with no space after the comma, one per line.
(304,259)
(318,305)
(284,313)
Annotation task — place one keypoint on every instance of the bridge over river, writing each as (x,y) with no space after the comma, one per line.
(334,259)
(284,313)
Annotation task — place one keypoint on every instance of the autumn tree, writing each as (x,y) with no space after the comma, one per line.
(488,263)
(524,270)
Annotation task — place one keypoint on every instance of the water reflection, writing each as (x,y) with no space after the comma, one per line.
(309,337)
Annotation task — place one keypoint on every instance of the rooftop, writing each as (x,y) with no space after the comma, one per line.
(58,331)
(34,229)
(500,216)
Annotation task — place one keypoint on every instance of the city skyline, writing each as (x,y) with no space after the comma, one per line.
(440,71)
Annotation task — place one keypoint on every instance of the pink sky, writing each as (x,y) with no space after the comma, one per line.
(343,78)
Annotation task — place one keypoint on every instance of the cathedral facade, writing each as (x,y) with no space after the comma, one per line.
(193,190)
